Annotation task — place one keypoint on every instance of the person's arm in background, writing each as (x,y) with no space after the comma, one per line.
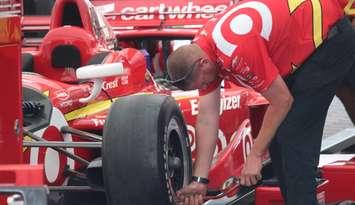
(207,124)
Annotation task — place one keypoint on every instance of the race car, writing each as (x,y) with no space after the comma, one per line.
(102,118)
(87,101)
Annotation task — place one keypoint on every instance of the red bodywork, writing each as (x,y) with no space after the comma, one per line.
(12,171)
(10,36)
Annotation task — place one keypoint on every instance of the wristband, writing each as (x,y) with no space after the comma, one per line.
(200,180)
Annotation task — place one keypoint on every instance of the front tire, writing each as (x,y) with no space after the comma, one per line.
(146,151)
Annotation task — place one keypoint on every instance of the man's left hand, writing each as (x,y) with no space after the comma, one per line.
(251,171)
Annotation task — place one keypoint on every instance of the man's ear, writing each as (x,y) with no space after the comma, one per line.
(206,66)
(204,61)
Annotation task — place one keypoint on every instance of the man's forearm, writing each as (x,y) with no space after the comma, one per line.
(280,102)
(206,136)
(207,124)
(272,119)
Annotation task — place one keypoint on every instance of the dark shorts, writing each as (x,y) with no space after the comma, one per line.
(295,149)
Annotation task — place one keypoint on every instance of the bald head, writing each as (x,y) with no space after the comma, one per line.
(180,61)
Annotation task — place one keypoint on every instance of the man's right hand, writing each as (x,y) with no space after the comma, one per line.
(192,194)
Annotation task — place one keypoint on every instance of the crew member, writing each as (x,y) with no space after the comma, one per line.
(296,54)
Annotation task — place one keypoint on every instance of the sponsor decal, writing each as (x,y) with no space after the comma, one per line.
(247,140)
(188,11)
(226,103)
(106,8)
(244,75)
(192,136)
(221,144)
(229,103)
(52,161)
(107,85)
(61,95)
(124,80)
(238,22)
(244,138)
(98,122)
(194,107)
(66,104)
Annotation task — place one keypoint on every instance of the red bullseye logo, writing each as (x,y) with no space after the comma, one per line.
(55,163)
(221,142)
(191,133)
(247,140)
(240,21)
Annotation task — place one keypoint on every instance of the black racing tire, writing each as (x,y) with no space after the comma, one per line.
(146,151)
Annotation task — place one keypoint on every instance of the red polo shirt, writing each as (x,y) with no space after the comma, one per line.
(256,40)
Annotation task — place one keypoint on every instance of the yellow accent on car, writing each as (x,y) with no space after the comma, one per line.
(26,138)
(46,93)
(88,110)
(94,108)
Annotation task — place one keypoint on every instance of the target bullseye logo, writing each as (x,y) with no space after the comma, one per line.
(241,23)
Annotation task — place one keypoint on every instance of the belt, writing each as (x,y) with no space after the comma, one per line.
(340,26)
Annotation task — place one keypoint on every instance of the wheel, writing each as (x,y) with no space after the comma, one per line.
(146,151)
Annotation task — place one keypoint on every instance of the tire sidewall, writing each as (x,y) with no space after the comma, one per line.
(137,131)
(172,118)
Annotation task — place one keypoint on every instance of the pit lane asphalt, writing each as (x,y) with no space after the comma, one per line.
(337,119)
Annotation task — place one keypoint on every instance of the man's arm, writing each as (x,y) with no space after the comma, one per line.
(280,102)
(207,124)
(206,135)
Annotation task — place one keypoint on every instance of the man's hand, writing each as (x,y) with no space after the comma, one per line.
(192,194)
(251,170)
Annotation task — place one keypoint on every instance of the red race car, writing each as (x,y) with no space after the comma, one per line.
(102,118)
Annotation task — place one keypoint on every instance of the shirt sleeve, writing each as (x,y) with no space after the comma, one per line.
(251,64)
